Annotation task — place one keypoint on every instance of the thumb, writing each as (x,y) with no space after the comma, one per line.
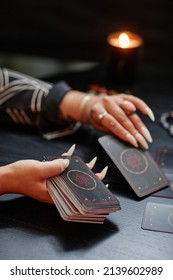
(54,167)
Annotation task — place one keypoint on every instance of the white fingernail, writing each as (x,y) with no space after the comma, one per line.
(150,114)
(132,140)
(142,141)
(70,151)
(146,134)
(92,162)
(103,172)
(66,162)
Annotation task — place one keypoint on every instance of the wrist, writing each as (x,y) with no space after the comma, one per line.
(73,104)
(5,181)
(88,101)
(9,179)
(76,106)
(86,110)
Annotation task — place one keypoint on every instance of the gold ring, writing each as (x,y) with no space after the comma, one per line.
(102,115)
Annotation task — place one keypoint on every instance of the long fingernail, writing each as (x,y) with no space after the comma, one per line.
(70,151)
(92,162)
(142,141)
(132,140)
(150,114)
(66,162)
(103,172)
(146,134)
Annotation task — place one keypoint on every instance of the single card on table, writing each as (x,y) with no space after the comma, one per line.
(164,158)
(137,166)
(79,195)
(158,217)
(168,191)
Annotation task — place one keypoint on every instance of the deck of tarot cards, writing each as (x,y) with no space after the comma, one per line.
(79,195)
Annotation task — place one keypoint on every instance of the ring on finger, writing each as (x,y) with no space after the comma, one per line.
(102,115)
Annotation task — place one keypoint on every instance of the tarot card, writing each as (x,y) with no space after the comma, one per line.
(136,165)
(164,159)
(158,217)
(168,191)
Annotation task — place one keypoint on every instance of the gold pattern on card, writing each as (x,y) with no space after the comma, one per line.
(134,161)
(81,180)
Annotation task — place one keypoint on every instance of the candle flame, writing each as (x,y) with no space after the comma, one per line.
(124,40)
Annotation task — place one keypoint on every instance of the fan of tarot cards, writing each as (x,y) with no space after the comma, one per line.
(79,195)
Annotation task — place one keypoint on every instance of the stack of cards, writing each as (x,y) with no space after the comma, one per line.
(79,195)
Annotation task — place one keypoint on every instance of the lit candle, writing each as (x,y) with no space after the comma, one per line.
(125,50)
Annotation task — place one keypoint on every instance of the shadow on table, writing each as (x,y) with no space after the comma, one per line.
(43,219)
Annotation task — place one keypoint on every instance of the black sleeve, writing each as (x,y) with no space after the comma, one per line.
(29,101)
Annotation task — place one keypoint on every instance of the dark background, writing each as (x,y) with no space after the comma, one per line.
(72,31)
(78,29)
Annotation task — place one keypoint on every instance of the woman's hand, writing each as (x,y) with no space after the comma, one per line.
(115,114)
(29,177)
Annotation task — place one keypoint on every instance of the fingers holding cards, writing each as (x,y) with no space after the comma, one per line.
(100,175)
(92,163)
(80,195)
